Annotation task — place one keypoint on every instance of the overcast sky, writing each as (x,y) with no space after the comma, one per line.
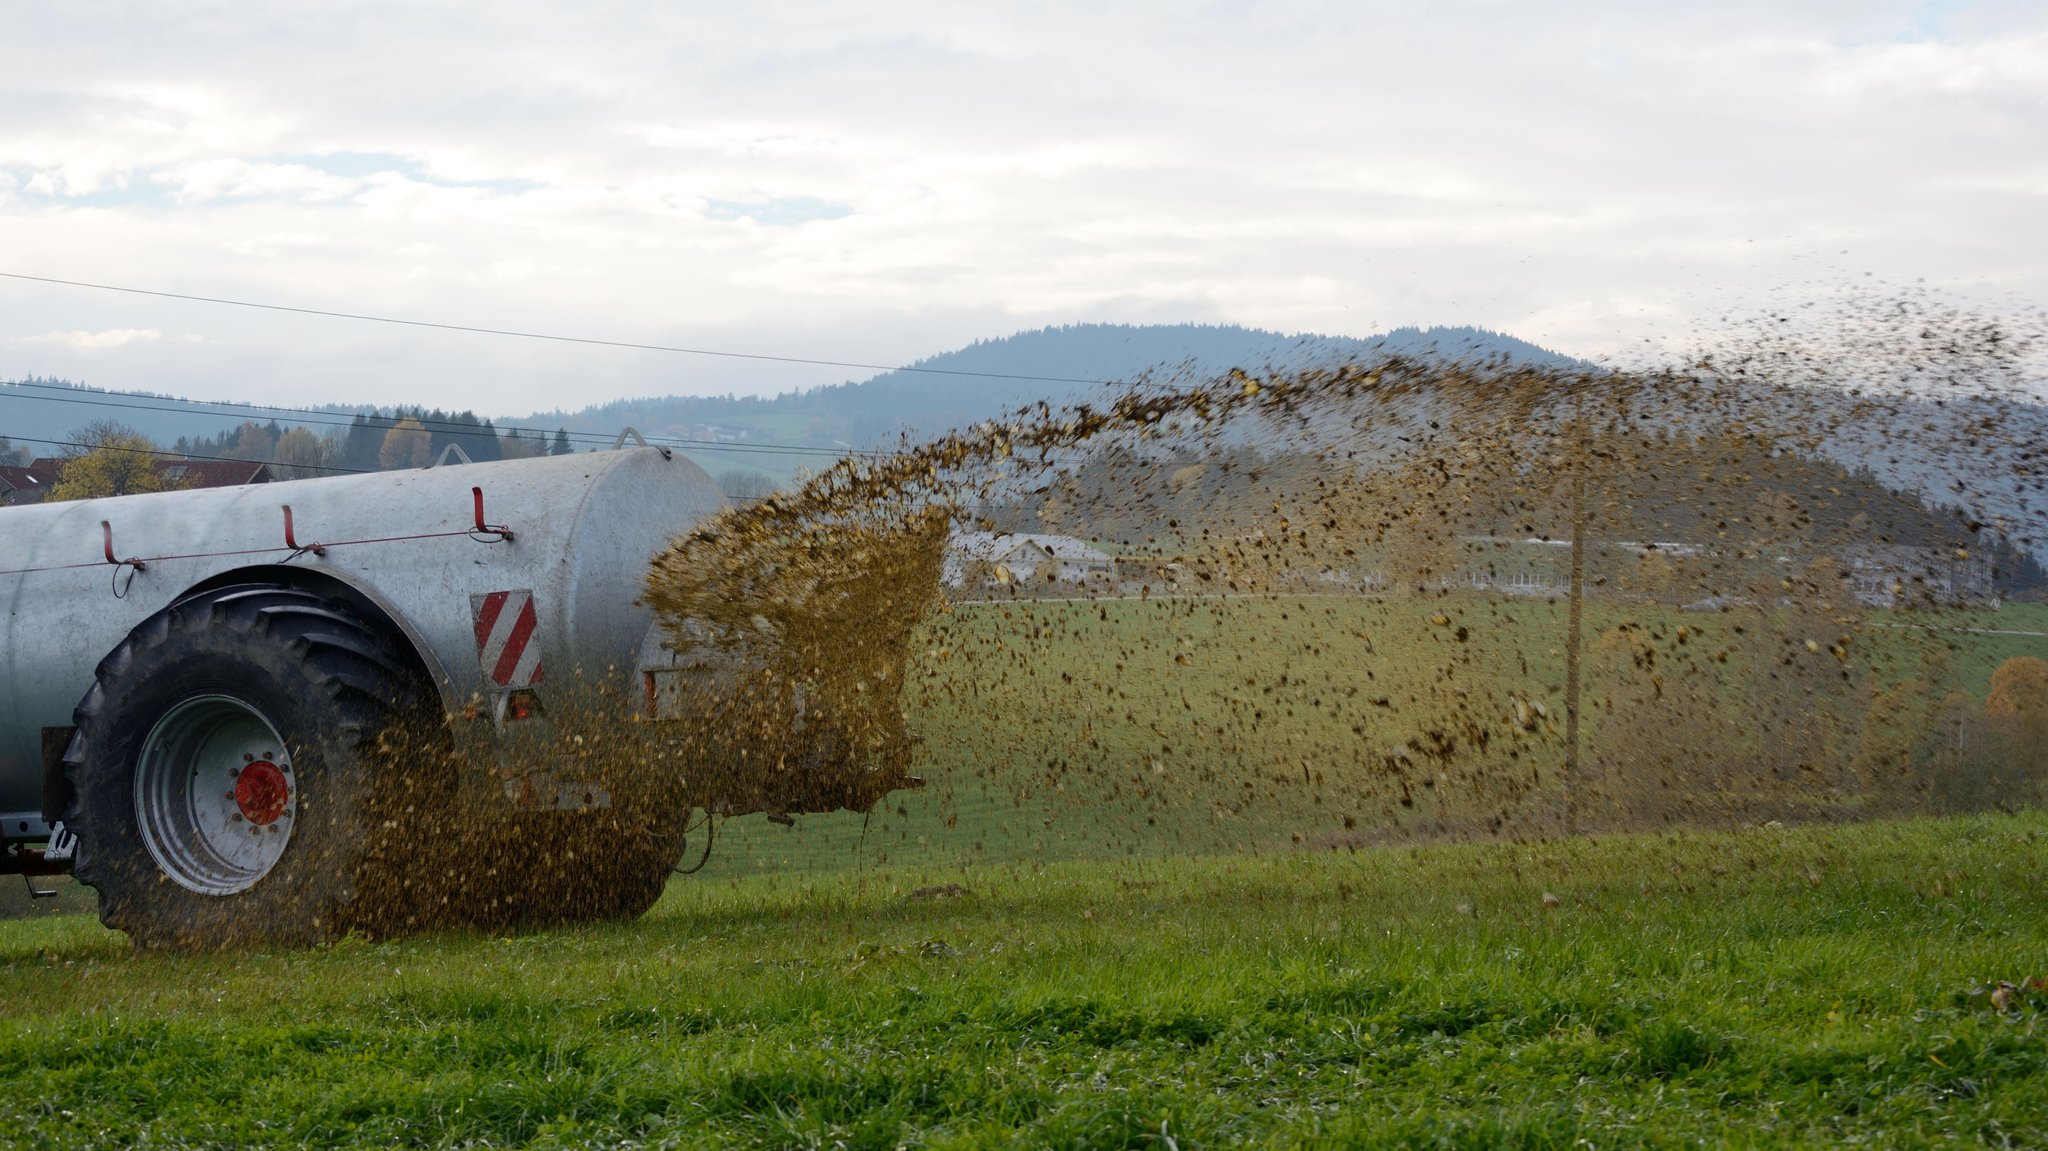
(883,181)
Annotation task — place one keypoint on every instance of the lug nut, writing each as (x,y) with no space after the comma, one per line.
(234,772)
(237,817)
(246,757)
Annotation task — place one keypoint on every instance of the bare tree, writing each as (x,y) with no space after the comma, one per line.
(745,485)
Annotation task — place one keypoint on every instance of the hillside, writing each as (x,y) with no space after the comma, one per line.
(994,376)
(1977,453)
(1055,364)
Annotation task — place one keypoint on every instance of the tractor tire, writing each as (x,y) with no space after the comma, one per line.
(249,765)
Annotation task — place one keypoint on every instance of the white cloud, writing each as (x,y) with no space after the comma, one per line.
(2006,68)
(878,182)
(95,341)
(236,178)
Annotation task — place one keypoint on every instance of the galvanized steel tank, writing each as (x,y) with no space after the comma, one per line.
(442,552)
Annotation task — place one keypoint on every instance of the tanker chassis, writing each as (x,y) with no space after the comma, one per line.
(283,712)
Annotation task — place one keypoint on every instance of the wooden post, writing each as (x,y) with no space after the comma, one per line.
(1575,614)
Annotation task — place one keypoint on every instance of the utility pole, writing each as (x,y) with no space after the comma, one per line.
(1575,614)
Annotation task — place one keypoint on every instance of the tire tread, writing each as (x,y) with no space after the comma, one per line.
(343,659)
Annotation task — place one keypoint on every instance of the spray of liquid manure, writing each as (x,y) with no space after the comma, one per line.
(1796,578)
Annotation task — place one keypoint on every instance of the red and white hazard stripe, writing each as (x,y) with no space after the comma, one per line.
(505,623)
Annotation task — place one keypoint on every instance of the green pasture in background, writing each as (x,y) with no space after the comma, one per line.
(1117,728)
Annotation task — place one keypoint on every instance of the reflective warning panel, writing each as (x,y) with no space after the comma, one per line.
(505,647)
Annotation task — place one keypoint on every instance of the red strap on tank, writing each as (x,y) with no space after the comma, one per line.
(291,538)
(499,530)
(503,534)
(107,546)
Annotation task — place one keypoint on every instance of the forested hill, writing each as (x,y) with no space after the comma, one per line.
(1004,373)
(1054,364)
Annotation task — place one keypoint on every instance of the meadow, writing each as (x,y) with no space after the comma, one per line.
(1115,728)
(1127,911)
(1770,987)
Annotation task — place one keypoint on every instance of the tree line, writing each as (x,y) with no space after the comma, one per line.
(106,458)
(375,441)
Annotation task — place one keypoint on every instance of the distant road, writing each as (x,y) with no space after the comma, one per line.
(1970,630)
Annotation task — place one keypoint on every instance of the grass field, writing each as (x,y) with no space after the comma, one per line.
(1119,729)
(1128,912)
(1774,987)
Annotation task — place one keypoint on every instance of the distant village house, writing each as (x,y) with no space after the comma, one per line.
(979,560)
(21,486)
(31,484)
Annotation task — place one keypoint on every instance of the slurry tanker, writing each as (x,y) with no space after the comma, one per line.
(282,712)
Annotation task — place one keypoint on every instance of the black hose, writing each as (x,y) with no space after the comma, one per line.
(709,829)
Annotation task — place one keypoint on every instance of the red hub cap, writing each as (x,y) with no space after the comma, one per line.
(262,792)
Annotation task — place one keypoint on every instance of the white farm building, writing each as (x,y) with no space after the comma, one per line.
(977,559)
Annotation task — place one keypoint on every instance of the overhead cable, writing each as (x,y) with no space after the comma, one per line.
(551,337)
(178,405)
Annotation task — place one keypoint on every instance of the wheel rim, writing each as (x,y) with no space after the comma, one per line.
(215,796)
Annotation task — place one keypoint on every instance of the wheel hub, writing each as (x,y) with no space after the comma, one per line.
(262,792)
(214,796)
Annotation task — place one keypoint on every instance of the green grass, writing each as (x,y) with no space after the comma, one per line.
(1977,641)
(1774,987)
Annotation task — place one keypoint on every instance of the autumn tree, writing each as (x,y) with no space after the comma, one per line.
(2019,688)
(299,455)
(406,445)
(108,459)
(254,442)
(2018,707)
(333,449)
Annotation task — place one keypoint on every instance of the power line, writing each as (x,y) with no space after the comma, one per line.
(171,455)
(545,335)
(339,470)
(182,405)
(178,405)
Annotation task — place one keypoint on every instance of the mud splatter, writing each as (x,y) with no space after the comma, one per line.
(1404,598)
